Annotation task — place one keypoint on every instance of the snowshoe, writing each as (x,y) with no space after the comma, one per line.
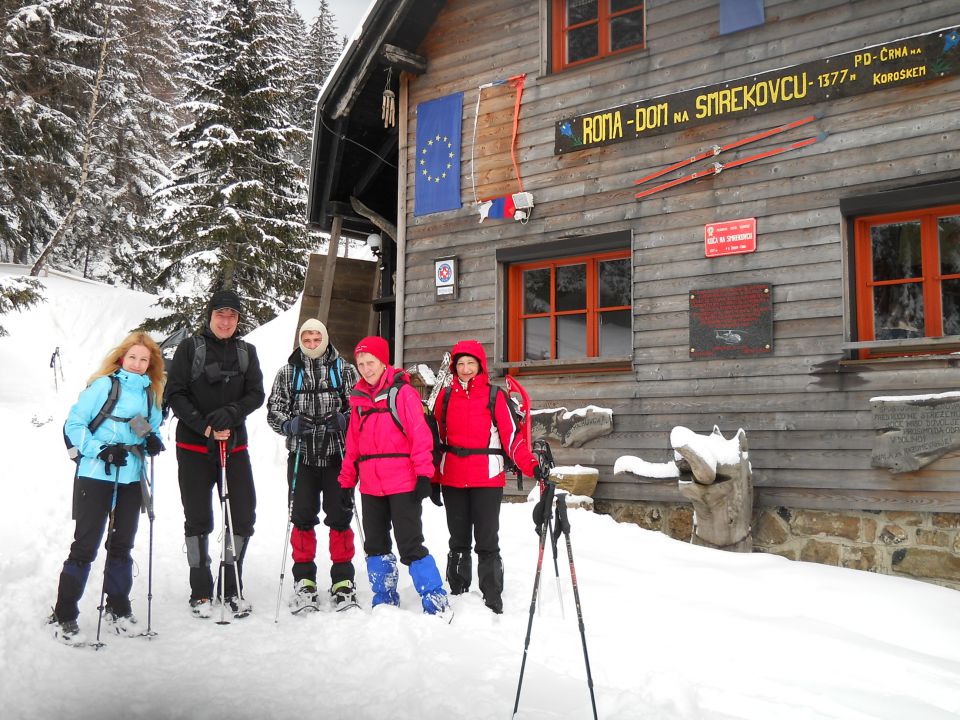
(304,598)
(343,596)
(201,607)
(67,631)
(238,606)
(123,625)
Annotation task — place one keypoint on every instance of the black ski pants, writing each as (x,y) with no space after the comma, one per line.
(198,473)
(318,487)
(476,512)
(93,500)
(402,511)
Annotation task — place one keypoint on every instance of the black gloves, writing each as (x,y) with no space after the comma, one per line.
(115,455)
(346,499)
(297,425)
(223,418)
(435,494)
(154,445)
(422,489)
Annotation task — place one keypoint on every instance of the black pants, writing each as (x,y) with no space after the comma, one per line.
(93,502)
(318,487)
(198,473)
(402,511)
(473,511)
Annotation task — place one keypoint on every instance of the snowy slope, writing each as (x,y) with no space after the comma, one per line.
(674,632)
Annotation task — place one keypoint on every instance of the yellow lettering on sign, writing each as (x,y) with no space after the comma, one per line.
(602,127)
(748,97)
(892,53)
(914,73)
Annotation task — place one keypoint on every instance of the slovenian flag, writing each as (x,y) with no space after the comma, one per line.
(437,163)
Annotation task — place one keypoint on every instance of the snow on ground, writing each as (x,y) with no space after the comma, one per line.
(674,631)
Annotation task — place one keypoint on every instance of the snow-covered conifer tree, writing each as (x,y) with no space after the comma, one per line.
(235,209)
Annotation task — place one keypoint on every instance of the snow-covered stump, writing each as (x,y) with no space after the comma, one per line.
(721,490)
(576,479)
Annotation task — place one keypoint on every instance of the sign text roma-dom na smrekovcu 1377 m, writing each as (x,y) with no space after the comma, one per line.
(892,64)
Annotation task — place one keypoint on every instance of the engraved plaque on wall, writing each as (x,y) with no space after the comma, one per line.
(731,322)
(914,431)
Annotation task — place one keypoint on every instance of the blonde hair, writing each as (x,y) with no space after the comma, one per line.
(114,360)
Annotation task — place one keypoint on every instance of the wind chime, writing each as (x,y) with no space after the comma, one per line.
(388,108)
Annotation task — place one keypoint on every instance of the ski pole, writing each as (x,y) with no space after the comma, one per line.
(547,500)
(150,516)
(545,456)
(229,526)
(563,526)
(286,537)
(223,530)
(53,366)
(106,560)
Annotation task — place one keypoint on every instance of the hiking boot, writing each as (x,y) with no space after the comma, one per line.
(304,597)
(495,603)
(201,607)
(343,596)
(66,631)
(125,625)
(437,604)
(238,606)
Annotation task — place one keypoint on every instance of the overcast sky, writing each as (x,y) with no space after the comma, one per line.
(347,12)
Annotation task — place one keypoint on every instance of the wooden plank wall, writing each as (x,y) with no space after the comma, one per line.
(807,419)
(351,307)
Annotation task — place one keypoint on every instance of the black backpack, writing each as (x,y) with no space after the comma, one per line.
(105,412)
(169,346)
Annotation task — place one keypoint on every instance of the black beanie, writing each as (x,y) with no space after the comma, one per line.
(224,299)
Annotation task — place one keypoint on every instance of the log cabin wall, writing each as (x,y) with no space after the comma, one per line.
(805,407)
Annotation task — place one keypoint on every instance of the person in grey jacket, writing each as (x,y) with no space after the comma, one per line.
(307,405)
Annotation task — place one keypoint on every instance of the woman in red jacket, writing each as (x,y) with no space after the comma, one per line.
(389,451)
(475,443)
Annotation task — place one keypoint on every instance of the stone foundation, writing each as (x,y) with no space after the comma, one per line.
(920,545)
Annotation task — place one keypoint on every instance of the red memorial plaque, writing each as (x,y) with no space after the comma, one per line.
(732,237)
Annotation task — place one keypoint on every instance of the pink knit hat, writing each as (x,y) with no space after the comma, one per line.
(376,346)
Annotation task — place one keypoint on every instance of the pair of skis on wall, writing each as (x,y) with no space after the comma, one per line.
(717,167)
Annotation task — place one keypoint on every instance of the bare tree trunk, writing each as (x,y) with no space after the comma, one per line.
(67,221)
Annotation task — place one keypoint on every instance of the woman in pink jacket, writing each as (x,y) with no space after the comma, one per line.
(476,442)
(390,453)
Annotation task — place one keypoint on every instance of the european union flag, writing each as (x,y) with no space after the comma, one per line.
(438,155)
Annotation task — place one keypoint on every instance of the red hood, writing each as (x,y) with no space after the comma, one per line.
(468,347)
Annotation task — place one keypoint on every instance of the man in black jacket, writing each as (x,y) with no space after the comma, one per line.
(213,384)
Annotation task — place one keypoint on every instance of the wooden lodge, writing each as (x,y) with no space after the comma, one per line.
(741,213)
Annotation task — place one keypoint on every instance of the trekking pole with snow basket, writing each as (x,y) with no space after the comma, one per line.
(106,559)
(541,513)
(562,525)
(54,362)
(148,503)
(228,531)
(286,537)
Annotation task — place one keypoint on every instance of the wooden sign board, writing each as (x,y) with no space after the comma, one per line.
(731,322)
(732,237)
(879,67)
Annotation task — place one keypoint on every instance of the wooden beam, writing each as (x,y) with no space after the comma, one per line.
(345,104)
(371,172)
(329,268)
(381,222)
(399,287)
(403,59)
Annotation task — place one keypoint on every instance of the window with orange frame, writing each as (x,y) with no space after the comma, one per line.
(908,276)
(571,309)
(583,31)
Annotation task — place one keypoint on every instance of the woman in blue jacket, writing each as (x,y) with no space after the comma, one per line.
(112,452)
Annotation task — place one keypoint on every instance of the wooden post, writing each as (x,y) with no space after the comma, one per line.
(399,285)
(722,496)
(329,269)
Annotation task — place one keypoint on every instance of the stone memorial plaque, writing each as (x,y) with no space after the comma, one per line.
(913,432)
(731,322)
